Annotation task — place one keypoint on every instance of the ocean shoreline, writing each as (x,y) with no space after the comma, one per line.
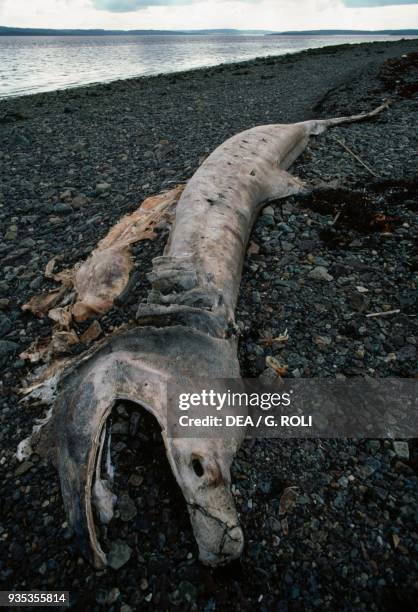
(256,60)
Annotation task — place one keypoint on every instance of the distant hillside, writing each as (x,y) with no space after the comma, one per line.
(7,31)
(347,33)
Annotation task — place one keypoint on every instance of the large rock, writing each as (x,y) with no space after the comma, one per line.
(79,201)
(127,508)
(320,274)
(401,449)
(63,208)
(119,554)
(103,187)
(5,326)
(7,350)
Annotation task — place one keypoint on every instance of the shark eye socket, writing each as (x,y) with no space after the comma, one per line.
(197,467)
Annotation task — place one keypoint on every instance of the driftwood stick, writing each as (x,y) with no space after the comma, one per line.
(344,146)
(384,313)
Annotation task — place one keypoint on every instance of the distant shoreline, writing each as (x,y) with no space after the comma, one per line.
(106,80)
(11,31)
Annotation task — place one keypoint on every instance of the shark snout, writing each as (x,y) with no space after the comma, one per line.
(229,548)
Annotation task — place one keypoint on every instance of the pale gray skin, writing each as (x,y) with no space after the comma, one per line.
(185,332)
(136,366)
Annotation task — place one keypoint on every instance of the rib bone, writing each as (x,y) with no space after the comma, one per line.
(185,331)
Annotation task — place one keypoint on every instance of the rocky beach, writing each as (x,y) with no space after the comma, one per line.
(329,524)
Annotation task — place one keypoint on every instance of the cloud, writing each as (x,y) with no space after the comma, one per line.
(127,6)
(371,3)
(197,14)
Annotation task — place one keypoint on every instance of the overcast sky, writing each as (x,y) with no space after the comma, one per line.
(178,14)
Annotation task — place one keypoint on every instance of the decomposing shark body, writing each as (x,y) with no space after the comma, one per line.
(185,331)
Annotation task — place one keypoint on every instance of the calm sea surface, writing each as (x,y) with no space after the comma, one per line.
(44,63)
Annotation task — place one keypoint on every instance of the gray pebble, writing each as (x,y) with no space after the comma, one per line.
(320,274)
(119,554)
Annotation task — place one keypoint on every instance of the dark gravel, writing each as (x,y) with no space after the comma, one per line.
(72,163)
